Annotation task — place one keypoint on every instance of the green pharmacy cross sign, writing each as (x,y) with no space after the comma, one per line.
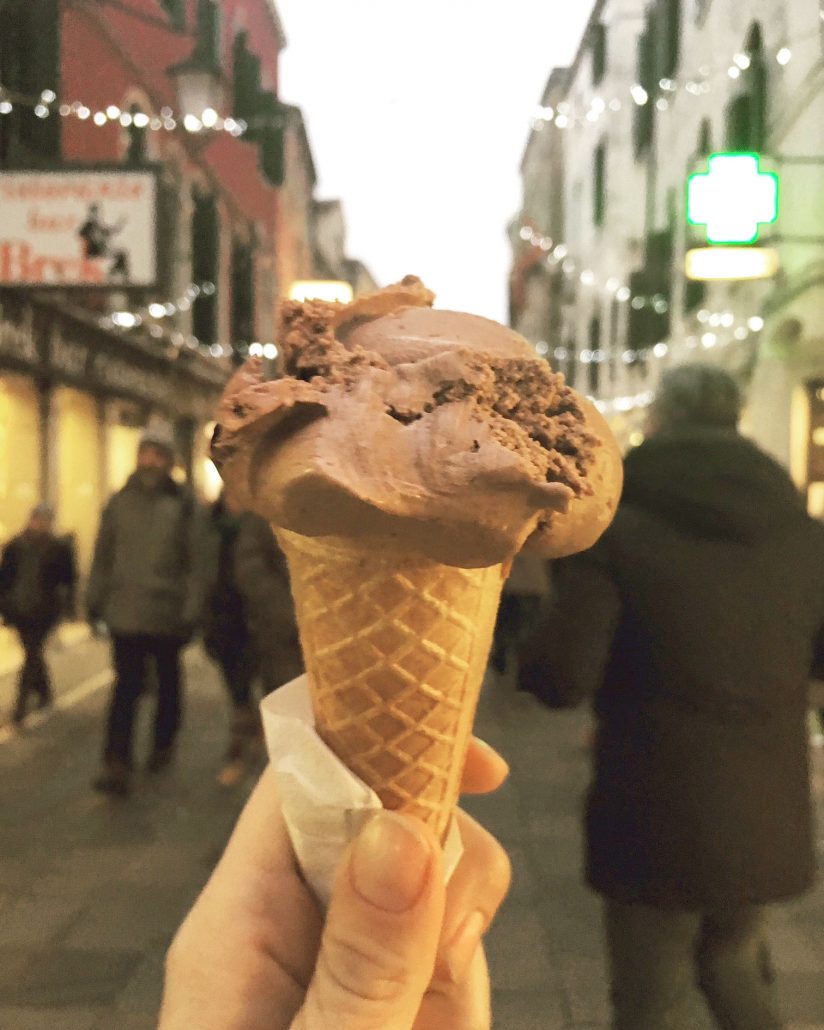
(733,199)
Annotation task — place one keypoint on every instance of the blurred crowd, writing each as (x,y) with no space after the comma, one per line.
(695,625)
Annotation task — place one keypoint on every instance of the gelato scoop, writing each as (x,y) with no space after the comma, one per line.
(417,430)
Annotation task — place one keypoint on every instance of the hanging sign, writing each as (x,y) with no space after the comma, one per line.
(78,227)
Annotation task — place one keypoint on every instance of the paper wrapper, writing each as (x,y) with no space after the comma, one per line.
(324,804)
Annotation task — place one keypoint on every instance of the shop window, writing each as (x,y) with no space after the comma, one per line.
(746,115)
(599,53)
(594,368)
(29,64)
(599,185)
(205,246)
(136,147)
(644,118)
(243,293)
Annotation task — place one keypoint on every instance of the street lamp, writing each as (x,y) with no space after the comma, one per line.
(199,88)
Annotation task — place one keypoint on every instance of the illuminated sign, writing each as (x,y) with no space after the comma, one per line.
(321,289)
(733,198)
(94,227)
(707,263)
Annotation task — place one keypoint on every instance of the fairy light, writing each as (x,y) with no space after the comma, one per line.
(784,56)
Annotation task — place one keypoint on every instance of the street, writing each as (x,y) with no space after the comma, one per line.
(91,890)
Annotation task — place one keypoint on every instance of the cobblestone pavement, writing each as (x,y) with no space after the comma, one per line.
(91,891)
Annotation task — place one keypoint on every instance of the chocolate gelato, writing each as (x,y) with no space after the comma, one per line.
(433,432)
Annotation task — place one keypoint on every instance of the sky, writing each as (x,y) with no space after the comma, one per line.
(418,113)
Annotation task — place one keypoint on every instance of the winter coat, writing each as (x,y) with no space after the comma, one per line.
(37,577)
(263,578)
(149,569)
(695,622)
(225,628)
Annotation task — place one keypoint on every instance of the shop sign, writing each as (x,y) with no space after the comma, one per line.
(119,376)
(71,227)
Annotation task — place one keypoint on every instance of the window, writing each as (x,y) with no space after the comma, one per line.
(205,237)
(207,47)
(571,349)
(644,121)
(704,148)
(271,137)
(667,20)
(599,185)
(29,64)
(243,293)
(136,148)
(746,115)
(594,369)
(614,335)
(176,12)
(599,53)
(262,110)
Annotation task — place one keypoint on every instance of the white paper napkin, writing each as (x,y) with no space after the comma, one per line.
(324,803)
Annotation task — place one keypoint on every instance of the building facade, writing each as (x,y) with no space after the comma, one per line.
(186,89)
(655,88)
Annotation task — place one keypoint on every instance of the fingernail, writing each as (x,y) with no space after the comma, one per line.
(464,944)
(391,861)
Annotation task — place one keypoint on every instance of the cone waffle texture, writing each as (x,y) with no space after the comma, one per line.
(395,650)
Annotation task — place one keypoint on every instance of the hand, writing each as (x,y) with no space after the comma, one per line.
(399,949)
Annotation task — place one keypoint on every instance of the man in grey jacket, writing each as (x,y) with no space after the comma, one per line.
(147,586)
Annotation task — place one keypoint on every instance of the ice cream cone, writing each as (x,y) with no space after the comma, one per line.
(395,648)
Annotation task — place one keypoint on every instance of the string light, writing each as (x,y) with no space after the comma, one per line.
(697,85)
(45,104)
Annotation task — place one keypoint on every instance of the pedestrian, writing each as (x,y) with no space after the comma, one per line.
(401,947)
(146,585)
(227,637)
(694,623)
(263,579)
(37,580)
(524,588)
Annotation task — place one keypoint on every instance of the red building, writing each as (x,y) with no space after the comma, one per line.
(186,87)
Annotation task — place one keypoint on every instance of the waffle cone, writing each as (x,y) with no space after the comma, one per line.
(395,650)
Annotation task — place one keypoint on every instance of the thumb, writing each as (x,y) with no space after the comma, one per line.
(381,935)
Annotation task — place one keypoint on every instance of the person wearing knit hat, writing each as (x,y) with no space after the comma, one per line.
(147,585)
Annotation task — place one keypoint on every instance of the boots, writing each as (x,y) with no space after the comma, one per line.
(115,778)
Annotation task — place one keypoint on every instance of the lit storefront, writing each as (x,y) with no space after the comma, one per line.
(73,401)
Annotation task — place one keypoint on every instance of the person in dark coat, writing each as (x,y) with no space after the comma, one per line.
(263,579)
(695,622)
(227,637)
(146,585)
(37,579)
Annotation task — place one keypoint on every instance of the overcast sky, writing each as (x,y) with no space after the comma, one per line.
(418,113)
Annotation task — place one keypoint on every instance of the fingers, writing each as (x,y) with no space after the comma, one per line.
(474,894)
(460,1006)
(382,929)
(485,770)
